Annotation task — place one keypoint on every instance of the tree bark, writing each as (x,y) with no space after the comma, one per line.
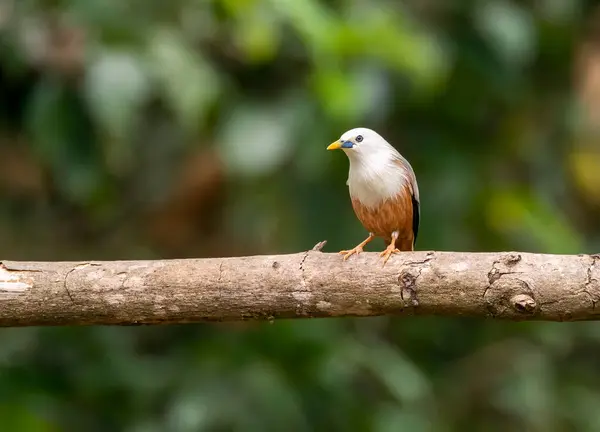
(510,285)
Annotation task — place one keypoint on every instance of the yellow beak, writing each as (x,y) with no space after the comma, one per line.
(334,146)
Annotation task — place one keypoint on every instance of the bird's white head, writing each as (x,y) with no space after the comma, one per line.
(366,149)
(377,170)
(363,143)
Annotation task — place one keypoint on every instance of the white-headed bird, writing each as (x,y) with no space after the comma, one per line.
(383,190)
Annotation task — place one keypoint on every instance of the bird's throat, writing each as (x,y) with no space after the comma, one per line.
(373,188)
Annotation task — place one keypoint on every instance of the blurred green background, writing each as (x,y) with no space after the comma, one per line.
(146,129)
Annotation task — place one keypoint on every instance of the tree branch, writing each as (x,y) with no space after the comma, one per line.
(510,285)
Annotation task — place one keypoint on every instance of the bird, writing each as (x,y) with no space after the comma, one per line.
(383,191)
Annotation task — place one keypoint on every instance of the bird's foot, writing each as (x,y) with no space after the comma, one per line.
(388,252)
(348,253)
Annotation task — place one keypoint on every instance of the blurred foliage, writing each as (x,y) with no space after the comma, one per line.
(190,128)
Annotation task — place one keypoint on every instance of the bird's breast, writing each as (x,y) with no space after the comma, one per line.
(394,213)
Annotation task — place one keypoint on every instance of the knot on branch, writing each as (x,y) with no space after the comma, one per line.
(507,294)
(523,303)
(408,293)
(408,279)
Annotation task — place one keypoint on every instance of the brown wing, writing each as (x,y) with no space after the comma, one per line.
(411,180)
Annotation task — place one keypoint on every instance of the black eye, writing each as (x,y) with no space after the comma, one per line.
(359,138)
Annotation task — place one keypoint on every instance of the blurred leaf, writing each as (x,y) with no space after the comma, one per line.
(585,166)
(17,417)
(527,392)
(189,82)
(509,29)
(314,22)
(256,140)
(525,216)
(560,11)
(391,418)
(257,31)
(582,408)
(402,377)
(395,39)
(116,87)
(62,134)
(338,94)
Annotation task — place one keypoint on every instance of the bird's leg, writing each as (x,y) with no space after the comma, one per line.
(391,248)
(357,249)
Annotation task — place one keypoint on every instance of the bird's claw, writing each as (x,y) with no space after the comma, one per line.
(348,253)
(386,254)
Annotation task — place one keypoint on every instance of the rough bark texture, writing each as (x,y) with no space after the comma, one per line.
(510,285)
